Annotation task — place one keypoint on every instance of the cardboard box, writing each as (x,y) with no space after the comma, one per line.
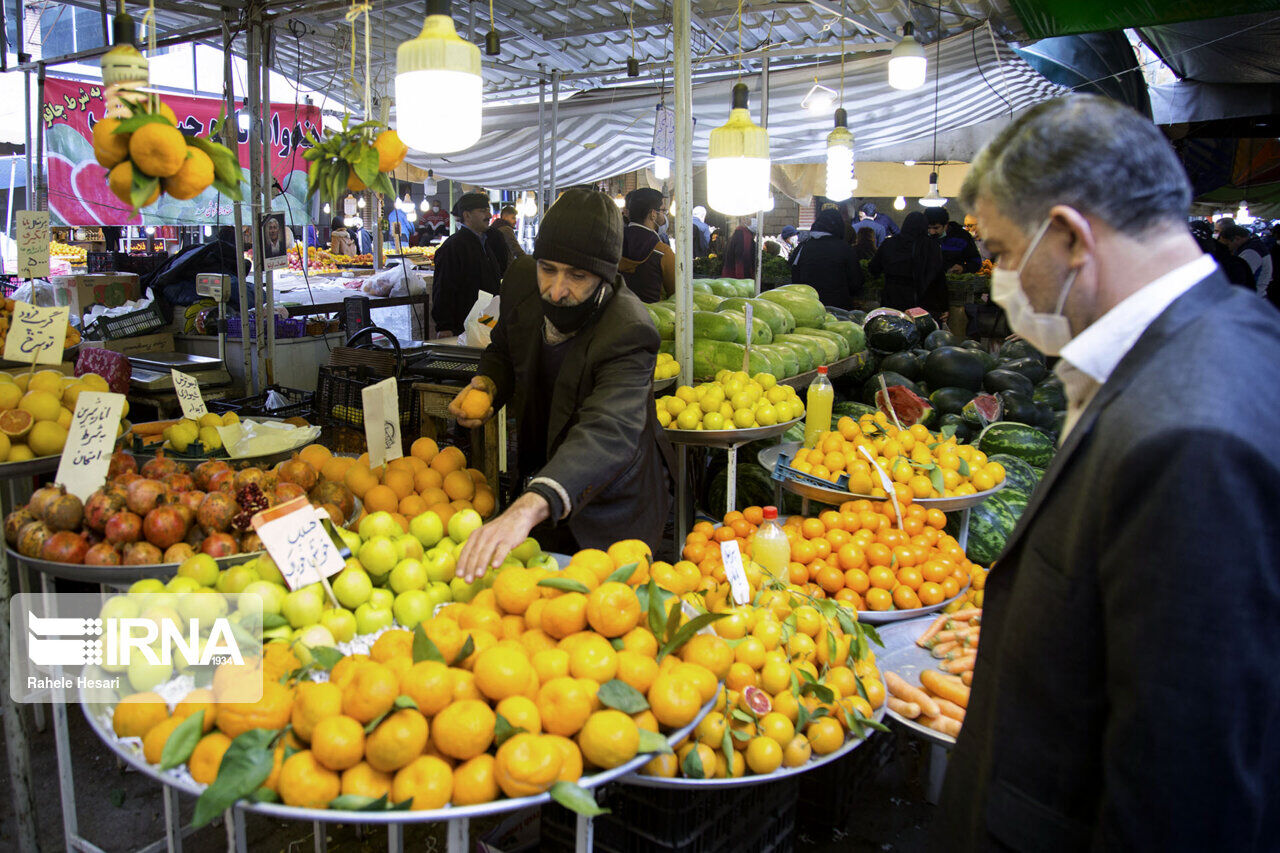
(82,292)
(159,342)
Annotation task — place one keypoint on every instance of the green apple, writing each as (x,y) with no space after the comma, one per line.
(352,587)
(236,578)
(161,613)
(526,550)
(203,605)
(143,591)
(426,527)
(144,675)
(412,608)
(438,593)
(181,663)
(119,607)
(407,575)
(310,638)
(350,538)
(440,564)
(201,568)
(280,632)
(542,558)
(381,598)
(378,556)
(340,622)
(511,561)
(463,591)
(463,523)
(408,547)
(302,607)
(370,619)
(272,595)
(379,523)
(179,584)
(268,570)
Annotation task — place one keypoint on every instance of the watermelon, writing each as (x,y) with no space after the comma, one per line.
(760,331)
(891,333)
(1019,407)
(779,320)
(802,289)
(1007,380)
(1025,442)
(910,408)
(904,363)
(851,332)
(940,338)
(981,410)
(863,370)
(784,356)
(851,409)
(824,351)
(713,326)
(665,319)
(954,367)
(805,358)
(1031,368)
(795,432)
(950,401)
(990,525)
(872,385)
(705,301)
(1019,348)
(841,342)
(925,324)
(701,285)
(806,311)
(962,431)
(710,357)
(1018,474)
(1051,393)
(755,488)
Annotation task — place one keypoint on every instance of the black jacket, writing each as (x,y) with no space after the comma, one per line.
(463,267)
(647,264)
(604,444)
(1125,695)
(959,249)
(830,266)
(501,237)
(912,267)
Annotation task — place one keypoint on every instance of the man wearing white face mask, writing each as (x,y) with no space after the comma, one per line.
(1135,606)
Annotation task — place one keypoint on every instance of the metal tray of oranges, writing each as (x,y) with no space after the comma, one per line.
(727,437)
(884,617)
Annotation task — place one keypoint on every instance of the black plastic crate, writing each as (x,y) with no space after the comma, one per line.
(131,325)
(300,404)
(100,261)
(338,400)
(828,793)
(141,264)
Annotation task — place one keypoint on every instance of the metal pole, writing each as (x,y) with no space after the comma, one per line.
(542,150)
(8,220)
(268,59)
(555,130)
(254,101)
(41,196)
(230,137)
(682,173)
(764,122)
(15,734)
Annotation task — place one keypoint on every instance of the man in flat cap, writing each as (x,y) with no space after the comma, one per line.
(465,264)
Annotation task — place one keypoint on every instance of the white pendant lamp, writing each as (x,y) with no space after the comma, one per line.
(429,185)
(907,63)
(661,167)
(438,86)
(738,162)
(840,158)
(900,203)
(932,198)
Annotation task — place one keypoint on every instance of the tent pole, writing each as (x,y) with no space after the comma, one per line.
(268,340)
(764,122)
(555,130)
(42,195)
(682,172)
(8,219)
(542,149)
(254,65)
(231,138)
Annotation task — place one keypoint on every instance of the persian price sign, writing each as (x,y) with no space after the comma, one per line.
(87,455)
(37,334)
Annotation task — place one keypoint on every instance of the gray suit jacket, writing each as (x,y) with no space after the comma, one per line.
(1125,695)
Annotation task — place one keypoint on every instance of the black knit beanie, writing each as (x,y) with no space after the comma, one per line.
(582,229)
(937,215)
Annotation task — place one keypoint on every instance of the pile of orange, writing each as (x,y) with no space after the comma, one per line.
(430,478)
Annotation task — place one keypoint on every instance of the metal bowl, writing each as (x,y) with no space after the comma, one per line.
(114,575)
(727,437)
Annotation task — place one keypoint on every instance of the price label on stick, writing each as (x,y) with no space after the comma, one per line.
(382,422)
(189,396)
(37,335)
(33,244)
(294,536)
(732,559)
(87,455)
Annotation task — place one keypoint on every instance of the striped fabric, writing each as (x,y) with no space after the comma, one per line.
(609,132)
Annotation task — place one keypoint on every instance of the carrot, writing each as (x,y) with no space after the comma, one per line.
(946,725)
(932,629)
(942,650)
(945,687)
(910,710)
(910,693)
(966,614)
(966,678)
(950,709)
(153,427)
(960,664)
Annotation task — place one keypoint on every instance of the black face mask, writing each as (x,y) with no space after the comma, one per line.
(570,318)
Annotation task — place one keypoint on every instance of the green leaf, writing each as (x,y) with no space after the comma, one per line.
(618,644)
(265,795)
(245,766)
(862,691)
(657,616)
(950,429)
(353,802)
(963,470)
(623,697)
(871,633)
(622,574)
(739,714)
(503,730)
(142,188)
(564,584)
(468,647)
(383,186)
(935,477)
(692,766)
(423,648)
(326,657)
(653,742)
(403,702)
(375,722)
(674,618)
(365,164)
(740,735)
(831,646)
(822,692)
(726,745)
(182,740)
(132,123)
(690,628)
(273,620)
(576,799)
(868,722)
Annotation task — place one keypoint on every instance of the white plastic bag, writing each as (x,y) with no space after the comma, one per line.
(481,319)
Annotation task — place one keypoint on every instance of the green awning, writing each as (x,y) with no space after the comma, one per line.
(1048,18)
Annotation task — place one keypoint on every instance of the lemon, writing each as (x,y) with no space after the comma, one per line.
(95,382)
(210,439)
(43,405)
(71,394)
(47,438)
(64,418)
(6,378)
(4,447)
(713,420)
(230,418)
(124,412)
(209,419)
(664,418)
(10,396)
(47,380)
(20,453)
(690,418)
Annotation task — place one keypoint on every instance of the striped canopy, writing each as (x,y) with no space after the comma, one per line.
(610,132)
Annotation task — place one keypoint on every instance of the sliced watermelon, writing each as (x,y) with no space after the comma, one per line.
(909,407)
(982,410)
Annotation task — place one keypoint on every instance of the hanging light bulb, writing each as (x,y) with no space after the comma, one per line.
(620,200)
(840,155)
(326,210)
(360,203)
(908,162)
(820,99)
(528,207)
(424,206)
(907,63)
(349,205)
(208,231)
(123,67)
(738,161)
(661,168)
(1242,212)
(900,203)
(407,204)
(429,185)
(412,216)
(933,198)
(151,230)
(438,86)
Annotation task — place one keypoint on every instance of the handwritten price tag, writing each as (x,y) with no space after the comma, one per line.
(732,559)
(382,422)
(92,437)
(189,397)
(294,536)
(33,243)
(37,335)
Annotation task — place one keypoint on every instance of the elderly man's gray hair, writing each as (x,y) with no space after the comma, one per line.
(1090,153)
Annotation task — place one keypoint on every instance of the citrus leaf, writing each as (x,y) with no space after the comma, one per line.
(132,123)
(383,186)
(503,730)
(375,722)
(623,697)
(423,648)
(726,745)
(403,702)
(618,644)
(273,620)
(935,477)
(564,585)
(963,470)
(353,802)
(326,657)
(365,164)
(142,188)
(264,795)
(868,722)
(653,603)
(652,742)
(871,634)
(739,714)
(673,622)
(245,766)
(182,740)
(468,647)
(686,632)
(692,765)
(576,799)
(820,691)
(622,574)
(739,735)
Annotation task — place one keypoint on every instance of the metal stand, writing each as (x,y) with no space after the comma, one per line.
(937,772)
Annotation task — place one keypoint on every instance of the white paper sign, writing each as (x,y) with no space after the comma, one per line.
(382,422)
(37,335)
(33,243)
(90,441)
(732,559)
(294,536)
(189,396)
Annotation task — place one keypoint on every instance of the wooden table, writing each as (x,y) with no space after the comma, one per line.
(433,403)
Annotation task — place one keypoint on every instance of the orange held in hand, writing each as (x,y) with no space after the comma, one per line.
(475,404)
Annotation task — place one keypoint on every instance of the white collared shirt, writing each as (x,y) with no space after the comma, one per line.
(1089,358)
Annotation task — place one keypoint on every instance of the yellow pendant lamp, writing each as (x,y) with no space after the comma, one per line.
(738,162)
(438,86)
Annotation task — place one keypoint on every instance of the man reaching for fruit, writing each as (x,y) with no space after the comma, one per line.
(573,353)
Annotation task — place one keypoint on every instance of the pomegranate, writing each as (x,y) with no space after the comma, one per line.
(191,500)
(65,512)
(288,491)
(328,492)
(102,504)
(179,552)
(31,538)
(126,478)
(180,482)
(64,547)
(297,471)
(14,522)
(195,536)
(250,542)
(42,498)
(206,470)
(143,495)
(217,511)
(164,526)
(223,481)
(141,554)
(249,475)
(160,467)
(122,462)
(102,554)
(219,545)
(124,527)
